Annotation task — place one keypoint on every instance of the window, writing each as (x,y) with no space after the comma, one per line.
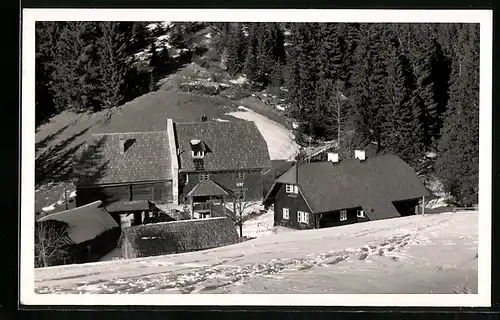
(303,217)
(241,175)
(198,154)
(361,214)
(343,215)
(290,188)
(204,176)
(241,194)
(286,213)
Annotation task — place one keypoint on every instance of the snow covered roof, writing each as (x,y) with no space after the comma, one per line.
(85,222)
(372,184)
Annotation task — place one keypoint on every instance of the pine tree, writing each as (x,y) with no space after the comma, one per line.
(115,62)
(251,66)
(404,128)
(458,161)
(45,41)
(235,49)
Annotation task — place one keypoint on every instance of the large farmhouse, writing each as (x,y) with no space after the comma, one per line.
(332,193)
(220,161)
(202,164)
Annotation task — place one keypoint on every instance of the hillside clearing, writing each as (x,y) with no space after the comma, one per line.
(430,254)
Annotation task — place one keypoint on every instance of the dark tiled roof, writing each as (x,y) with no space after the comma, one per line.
(101,161)
(231,145)
(207,188)
(180,236)
(371,184)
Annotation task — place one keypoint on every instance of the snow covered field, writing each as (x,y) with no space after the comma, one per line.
(430,254)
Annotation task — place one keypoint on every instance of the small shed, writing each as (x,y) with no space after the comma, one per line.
(91,230)
(178,237)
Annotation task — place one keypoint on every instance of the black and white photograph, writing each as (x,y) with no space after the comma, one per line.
(328,157)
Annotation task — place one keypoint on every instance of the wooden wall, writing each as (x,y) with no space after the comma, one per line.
(252,183)
(125,192)
(332,219)
(294,204)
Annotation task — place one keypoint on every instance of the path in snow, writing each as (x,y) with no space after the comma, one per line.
(431,254)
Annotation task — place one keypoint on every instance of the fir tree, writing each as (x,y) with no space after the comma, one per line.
(458,161)
(235,49)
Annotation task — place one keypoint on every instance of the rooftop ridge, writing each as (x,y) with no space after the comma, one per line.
(132,132)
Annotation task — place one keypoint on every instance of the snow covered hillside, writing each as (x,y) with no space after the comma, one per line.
(430,254)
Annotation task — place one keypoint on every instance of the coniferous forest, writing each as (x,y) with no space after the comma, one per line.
(410,89)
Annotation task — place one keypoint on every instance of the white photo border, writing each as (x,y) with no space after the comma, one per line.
(483,17)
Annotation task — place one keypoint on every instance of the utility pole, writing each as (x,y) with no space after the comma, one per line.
(240,207)
(65,196)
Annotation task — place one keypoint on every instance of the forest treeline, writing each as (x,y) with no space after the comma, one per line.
(408,88)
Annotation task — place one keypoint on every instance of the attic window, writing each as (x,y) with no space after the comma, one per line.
(293,189)
(361,214)
(343,215)
(128,144)
(241,175)
(204,176)
(198,154)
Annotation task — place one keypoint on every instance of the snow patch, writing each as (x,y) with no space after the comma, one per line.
(221,120)
(244,108)
(239,80)
(49,208)
(280,107)
(280,141)
(208,35)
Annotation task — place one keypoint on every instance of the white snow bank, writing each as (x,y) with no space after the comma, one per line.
(85,222)
(221,120)
(259,226)
(244,108)
(280,141)
(48,208)
(239,80)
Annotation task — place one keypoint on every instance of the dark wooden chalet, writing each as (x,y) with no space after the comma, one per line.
(218,162)
(332,193)
(128,172)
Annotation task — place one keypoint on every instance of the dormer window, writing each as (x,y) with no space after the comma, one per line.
(292,189)
(204,176)
(198,154)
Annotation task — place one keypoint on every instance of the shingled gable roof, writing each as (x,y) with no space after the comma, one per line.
(102,160)
(372,184)
(230,145)
(179,236)
(207,188)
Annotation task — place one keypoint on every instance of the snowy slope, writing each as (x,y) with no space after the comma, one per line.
(430,254)
(280,141)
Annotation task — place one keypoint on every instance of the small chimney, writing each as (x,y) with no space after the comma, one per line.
(360,155)
(333,157)
(203,118)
